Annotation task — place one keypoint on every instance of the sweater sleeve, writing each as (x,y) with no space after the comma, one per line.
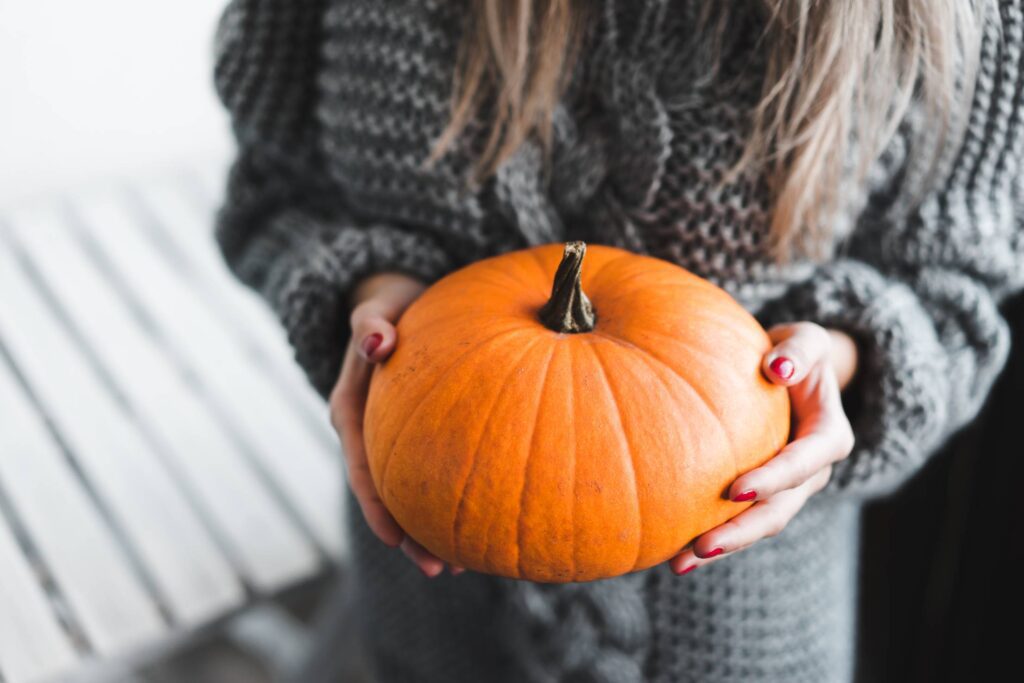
(920,294)
(329,185)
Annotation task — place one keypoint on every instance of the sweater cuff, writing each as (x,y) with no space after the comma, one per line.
(306,269)
(899,400)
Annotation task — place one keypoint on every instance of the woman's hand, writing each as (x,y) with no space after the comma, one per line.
(377,304)
(815,364)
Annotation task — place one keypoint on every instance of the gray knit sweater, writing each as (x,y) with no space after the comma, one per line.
(335,104)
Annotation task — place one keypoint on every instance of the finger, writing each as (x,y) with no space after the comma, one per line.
(763,520)
(798,348)
(822,439)
(823,436)
(390,295)
(456,569)
(818,393)
(377,516)
(427,562)
(373,335)
(347,406)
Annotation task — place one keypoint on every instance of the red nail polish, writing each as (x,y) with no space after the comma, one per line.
(783,367)
(745,496)
(688,569)
(371,343)
(714,553)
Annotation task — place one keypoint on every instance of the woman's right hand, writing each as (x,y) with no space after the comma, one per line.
(377,304)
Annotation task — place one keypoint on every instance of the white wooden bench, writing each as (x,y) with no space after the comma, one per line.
(163,463)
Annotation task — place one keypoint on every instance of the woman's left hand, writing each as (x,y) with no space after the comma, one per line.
(815,364)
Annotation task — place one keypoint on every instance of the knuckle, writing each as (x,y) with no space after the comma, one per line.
(377,310)
(338,412)
(347,394)
(823,479)
(346,397)
(358,316)
(775,526)
(800,470)
(335,398)
(366,315)
(846,439)
(819,346)
(808,469)
(815,333)
(807,474)
(339,417)
(732,528)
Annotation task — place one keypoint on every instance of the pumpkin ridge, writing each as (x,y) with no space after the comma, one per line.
(512,282)
(709,405)
(444,418)
(572,425)
(605,266)
(545,274)
(423,401)
(658,369)
(749,333)
(708,402)
(495,519)
(670,278)
(703,313)
(422,330)
(629,449)
(456,521)
(529,454)
(675,340)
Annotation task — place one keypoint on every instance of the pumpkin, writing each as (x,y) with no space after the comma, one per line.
(569,431)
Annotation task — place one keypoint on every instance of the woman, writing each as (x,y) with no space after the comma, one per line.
(847,166)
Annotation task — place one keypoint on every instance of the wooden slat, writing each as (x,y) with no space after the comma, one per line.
(187,223)
(90,567)
(268,548)
(306,470)
(212,180)
(32,644)
(192,576)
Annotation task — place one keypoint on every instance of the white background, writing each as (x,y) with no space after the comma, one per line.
(92,90)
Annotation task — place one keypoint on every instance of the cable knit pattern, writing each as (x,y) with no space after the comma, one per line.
(335,104)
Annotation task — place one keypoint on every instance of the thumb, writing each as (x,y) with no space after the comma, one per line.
(373,335)
(799,347)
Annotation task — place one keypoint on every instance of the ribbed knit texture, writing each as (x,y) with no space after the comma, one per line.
(335,104)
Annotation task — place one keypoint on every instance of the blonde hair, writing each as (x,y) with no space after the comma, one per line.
(836,70)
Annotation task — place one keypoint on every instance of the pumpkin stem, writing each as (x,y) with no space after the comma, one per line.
(569,310)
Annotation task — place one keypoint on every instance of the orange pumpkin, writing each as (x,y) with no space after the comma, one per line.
(573,432)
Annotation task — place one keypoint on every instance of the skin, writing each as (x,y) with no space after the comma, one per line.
(823,364)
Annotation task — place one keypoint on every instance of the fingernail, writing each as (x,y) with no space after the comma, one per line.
(714,553)
(745,496)
(783,367)
(371,343)
(688,570)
